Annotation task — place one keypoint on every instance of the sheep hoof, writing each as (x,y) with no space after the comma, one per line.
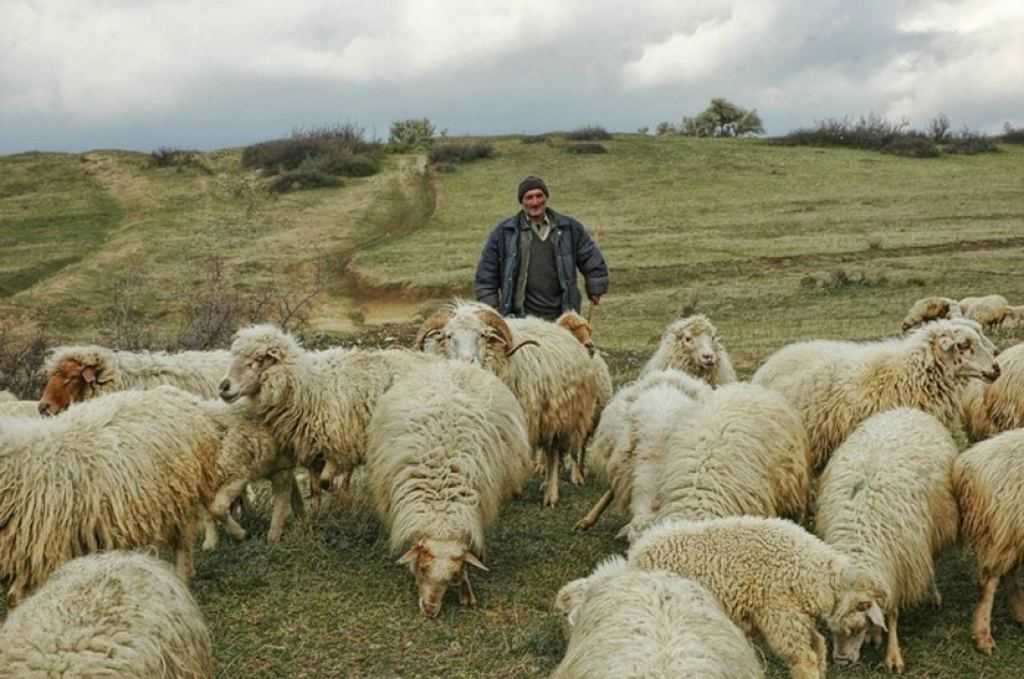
(209,545)
(576,476)
(894,663)
(983,642)
(274,537)
(550,499)
(583,524)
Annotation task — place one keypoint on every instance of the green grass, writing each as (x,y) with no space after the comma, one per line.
(739,230)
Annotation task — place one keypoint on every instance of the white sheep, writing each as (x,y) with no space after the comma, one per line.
(886,501)
(837,385)
(651,415)
(745,452)
(556,382)
(76,373)
(628,622)
(6,396)
(997,407)
(988,479)
(692,345)
(19,409)
(583,332)
(127,470)
(992,311)
(447,444)
(771,576)
(113,614)
(315,402)
(929,309)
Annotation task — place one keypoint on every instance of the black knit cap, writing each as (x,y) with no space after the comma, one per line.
(530,183)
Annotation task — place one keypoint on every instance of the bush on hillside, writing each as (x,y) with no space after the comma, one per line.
(342,149)
(411,135)
(309,175)
(167,156)
(871,133)
(589,133)
(912,146)
(969,143)
(461,152)
(21,359)
(534,139)
(1012,135)
(584,148)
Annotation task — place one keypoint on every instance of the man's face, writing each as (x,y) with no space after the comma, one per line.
(534,202)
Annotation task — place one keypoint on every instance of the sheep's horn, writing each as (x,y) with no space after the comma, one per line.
(432,326)
(494,319)
(521,345)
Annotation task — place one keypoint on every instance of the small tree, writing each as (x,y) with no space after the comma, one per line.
(415,133)
(722,118)
(938,128)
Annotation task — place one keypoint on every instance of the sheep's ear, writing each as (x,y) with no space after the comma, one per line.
(89,375)
(574,614)
(274,354)
(432,326)
(470,558)
(875,615)
(411,555)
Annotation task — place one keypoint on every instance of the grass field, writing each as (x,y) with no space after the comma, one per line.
(774,244)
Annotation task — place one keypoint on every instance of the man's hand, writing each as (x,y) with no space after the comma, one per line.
(595,299)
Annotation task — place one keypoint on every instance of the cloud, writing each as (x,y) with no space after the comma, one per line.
(190,72)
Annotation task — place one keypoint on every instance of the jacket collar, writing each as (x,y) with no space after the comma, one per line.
(557,220)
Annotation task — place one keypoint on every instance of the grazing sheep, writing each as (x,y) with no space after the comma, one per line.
(771,576)
(744,453)
(988,480)
(837,385)
(886,501)
(992,311)
(997,407)
(142,463)
(76,373)
(556,383)
(931,309)
(114,614)
(611,452)
(447,444)
(314,402)
(691,344)
(628,623)
(583,332)
(6,396)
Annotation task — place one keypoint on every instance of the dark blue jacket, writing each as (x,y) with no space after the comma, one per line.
(498,268)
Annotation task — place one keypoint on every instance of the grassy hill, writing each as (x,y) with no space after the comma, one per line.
(775,244)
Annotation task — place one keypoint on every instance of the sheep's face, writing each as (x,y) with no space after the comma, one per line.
(699,340)
(579,328)
(929,309)
(568,602)
(965,352)
(69,382)
(249,373)
(435,564)
(850,622)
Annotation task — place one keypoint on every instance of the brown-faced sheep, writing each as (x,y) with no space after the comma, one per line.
(930,309)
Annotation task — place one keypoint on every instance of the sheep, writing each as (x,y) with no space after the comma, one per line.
(6,396)
(988,480)
(929,309)
(771,576)
(113,614)
(692,345)
(19,409)
(744,453)
(837,385)
(556,382)
(611,452)
(314,402)
(632,623)
(75,373)
(992,311)
(447,444)
(997,407)
(886,501)
(583,332)
(124,471)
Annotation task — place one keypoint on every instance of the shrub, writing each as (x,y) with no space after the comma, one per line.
(411,134)
(459,152)
(664,128)
(912,146)
(938,128)
(1012,135)
(338,144)
(872,133)
(643,130)
(534,139)
(167,156)
(309,175)
(969,143)
(585,148)
(22,353)
(589,133)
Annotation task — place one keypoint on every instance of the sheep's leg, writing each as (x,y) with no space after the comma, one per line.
(298,506)
(466,596)
(876,636)
(221,507)
(596,511)
(793,637)
(314,490)
(538,461)
(893,656)
(183,551)
(327,474)
(282,484)
(981,628)
(551,482)
(1016,594)
(576,473)
(210,537)
(936,594)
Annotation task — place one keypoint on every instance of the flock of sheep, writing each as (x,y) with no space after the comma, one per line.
(716,475)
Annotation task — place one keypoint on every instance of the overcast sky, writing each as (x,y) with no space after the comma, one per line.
(140,74)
